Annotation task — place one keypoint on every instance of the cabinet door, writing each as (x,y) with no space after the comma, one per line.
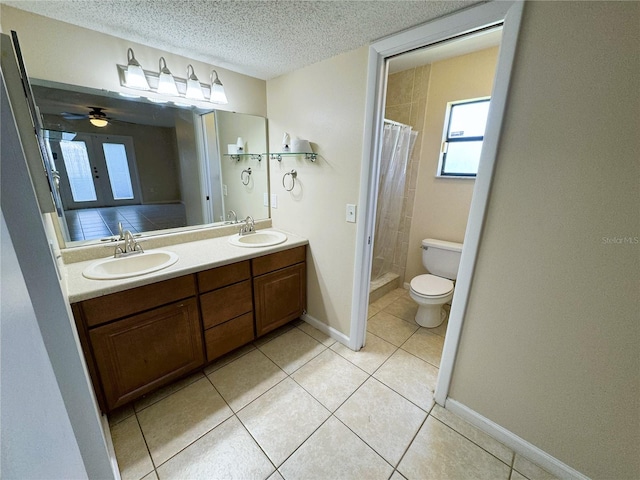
(140,353)
(280,297)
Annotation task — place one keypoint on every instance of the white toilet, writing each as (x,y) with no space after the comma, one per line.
(431,291)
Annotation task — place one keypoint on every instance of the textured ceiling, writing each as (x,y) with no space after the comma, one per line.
(263,39)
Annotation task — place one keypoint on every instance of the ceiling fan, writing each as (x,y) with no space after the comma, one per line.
(96,116)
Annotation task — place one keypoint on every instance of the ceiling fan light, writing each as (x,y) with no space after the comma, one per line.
(97,117)
(217,90)
(98,122)
(135,77)
(194,90)
(166,82)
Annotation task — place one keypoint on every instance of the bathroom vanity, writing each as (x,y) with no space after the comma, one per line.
(138,339)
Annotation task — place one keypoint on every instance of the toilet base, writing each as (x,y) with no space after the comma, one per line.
(431,316)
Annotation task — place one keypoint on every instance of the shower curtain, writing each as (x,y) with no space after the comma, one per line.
(398,141)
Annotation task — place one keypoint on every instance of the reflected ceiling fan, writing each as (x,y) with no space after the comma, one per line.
(96,116)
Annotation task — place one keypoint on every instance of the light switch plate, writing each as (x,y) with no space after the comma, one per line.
(224,190)
(274,200)
(351,213)
(265,199)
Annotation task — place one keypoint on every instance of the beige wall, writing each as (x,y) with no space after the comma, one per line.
(323,103)
(551,337)
(61,52)
(441,205)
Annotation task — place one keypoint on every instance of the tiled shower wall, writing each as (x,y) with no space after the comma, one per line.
(407,103)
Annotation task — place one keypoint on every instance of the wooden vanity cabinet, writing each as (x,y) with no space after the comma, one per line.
(279,288)
(140,339)
(226,305)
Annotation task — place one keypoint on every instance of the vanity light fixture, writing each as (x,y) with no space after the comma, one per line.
(217,90)
(166,82)
(135,74)
(166,87)
(194,90)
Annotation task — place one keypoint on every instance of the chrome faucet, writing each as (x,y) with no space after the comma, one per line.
(235,217)
(130,245)
(248,227)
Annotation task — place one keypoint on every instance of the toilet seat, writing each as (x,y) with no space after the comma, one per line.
(431,286)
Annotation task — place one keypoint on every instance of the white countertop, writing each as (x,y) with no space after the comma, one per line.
(193,257)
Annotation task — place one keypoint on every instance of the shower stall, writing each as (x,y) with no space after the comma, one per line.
(391,228)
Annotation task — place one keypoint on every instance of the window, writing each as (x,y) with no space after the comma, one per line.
(464,127)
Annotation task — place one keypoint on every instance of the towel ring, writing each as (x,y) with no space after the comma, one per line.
(245,176)
(293,174)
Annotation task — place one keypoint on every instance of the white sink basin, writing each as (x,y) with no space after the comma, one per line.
(131,266)
(262,238)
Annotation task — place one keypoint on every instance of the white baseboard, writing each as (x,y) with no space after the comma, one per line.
(514,442)
(326,329)
(110,449)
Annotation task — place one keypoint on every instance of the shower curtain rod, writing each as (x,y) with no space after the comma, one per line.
(392,122)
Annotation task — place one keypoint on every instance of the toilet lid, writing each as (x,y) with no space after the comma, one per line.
(431,285)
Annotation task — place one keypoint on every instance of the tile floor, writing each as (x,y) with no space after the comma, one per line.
(89,223)
(297,405)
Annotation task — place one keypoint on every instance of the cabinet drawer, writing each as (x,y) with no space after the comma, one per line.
(229,336)
(225,303)
(223,276)
(143,352)
(275,261)
(122,304)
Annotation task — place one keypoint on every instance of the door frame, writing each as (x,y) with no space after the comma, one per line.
(467,21)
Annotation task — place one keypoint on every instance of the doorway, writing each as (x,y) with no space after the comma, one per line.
(466,22)
(440,96)
(95,170)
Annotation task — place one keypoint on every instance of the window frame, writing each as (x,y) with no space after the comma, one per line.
(447,139)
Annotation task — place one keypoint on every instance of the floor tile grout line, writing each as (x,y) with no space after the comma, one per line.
(303,442)
(168,395)
(348,397)
(298,368)
(319,341)
(427,412)
(195,440)
(145,444)
(470,440)
(204,369)
(403,396)
(416,356)
(259,396)
(258,444)
(343,402)
(365,442)
(413,439)
(414,333)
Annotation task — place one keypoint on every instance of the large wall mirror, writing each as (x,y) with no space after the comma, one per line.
(150,167)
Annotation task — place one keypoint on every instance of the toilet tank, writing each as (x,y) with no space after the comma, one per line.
(441,258)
